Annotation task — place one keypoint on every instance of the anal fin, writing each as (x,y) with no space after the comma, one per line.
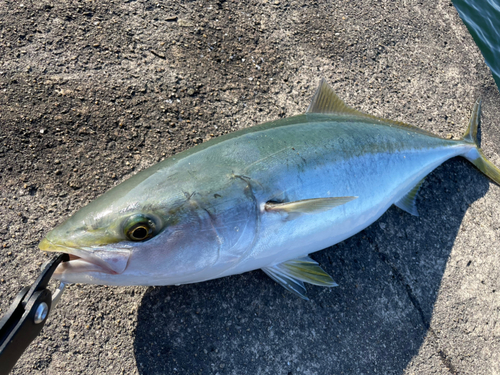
(409,201)
(293,273)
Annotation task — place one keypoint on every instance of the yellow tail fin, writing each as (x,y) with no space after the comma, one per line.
(476,155)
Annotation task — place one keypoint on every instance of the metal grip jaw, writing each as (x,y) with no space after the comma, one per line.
(27,316)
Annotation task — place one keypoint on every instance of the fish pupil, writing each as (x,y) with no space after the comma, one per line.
(140,233)
(139,228)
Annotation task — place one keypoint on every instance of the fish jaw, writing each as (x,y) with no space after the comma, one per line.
(89,259)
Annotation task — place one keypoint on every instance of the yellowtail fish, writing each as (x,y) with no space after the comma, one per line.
(263,197)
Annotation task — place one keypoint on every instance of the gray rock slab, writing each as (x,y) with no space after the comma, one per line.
(92,92)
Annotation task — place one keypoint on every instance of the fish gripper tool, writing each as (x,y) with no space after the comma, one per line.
(27,315)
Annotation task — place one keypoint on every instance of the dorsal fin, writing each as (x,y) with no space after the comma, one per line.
(327,102)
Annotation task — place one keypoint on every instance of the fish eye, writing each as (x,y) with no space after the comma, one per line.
(139,228)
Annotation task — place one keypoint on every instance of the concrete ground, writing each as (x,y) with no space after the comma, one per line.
(93,91)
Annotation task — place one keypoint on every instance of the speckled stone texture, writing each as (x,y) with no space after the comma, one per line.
(93,91)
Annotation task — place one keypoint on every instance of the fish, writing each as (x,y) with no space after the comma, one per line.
(264,197)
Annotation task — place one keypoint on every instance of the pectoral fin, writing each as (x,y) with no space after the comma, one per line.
(307,206)
(409,202)
(293,273)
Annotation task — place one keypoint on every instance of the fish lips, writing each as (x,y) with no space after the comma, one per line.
(89,259)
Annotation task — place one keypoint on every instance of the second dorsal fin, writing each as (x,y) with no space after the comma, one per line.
(325,101)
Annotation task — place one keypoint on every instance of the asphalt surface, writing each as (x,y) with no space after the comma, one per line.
(92,92)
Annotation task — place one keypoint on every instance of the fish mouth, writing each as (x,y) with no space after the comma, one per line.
(88,259)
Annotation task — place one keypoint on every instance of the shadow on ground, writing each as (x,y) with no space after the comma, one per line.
(374,322)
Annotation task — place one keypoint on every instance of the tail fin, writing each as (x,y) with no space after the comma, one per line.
(475,155)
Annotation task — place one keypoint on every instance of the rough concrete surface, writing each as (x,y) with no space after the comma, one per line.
(93,91)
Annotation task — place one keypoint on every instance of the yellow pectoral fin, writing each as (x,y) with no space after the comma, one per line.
(308,206)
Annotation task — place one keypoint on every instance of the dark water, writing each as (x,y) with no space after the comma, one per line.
(482,18)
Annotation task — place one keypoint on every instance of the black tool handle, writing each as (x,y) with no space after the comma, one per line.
(26,317)
(19,327)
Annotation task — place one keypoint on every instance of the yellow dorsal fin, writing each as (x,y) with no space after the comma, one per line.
(325,101)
